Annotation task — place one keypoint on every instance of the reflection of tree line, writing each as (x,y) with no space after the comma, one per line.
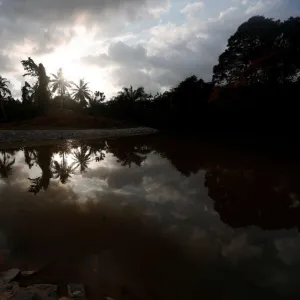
(246,190)
(73,156)
(43,157)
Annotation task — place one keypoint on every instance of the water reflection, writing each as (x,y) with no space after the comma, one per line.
(6,163)
(157,218)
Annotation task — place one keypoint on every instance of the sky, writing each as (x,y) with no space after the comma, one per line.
(116,43)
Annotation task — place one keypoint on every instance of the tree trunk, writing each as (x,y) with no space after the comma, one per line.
(62,98)
(2,109)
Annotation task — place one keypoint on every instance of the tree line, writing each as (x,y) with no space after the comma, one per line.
(254,88)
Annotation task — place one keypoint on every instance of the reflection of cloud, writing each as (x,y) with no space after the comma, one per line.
(115,207)
(288,249)
(238,249)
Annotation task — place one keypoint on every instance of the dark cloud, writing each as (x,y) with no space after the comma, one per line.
(134,66)
(7,64)
(62,11)
(49,38)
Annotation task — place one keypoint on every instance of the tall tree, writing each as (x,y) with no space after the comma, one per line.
(81,93)
(254,40)
(40,90)
(60,84)
(28,93)
(4,92)
(261,51)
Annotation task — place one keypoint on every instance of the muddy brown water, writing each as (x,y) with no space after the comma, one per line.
(153,217)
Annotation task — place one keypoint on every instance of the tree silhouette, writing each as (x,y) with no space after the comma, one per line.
(81,93)
(4,92)
(63,171)
(126,152)
(43,157)
(40,90)
(6,164)
(35,185)
(82,158)
(96,99)
(60,84)
(30,157)
(30,67)
(261,51)
(28,93)
(131,95)
(98,149)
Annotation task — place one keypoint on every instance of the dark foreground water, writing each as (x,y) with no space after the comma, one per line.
(154,218)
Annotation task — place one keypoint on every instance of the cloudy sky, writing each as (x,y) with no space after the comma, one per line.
(115,43)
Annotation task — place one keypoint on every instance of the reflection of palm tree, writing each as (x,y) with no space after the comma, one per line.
(127,154)
(98,150)
(6,164)
(62,171)
(82,158)
(60,84)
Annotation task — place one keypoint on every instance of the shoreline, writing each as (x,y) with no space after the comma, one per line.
(24,136)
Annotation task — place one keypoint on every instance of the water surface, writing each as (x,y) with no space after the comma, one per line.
(153,217)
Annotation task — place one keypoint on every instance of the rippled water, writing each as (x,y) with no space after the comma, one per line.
(153,218)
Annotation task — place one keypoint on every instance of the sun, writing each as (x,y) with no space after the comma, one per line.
(69,57)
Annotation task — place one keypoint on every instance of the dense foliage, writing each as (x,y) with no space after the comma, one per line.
(254,88)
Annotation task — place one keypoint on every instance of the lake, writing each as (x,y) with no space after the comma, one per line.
(154,217)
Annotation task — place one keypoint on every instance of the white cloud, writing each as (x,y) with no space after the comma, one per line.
(113,43)
(159,10)
(192,9)
(256,7)
(227,12)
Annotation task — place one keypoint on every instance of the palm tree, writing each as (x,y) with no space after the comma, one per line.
(63,171)
(96,99)
(82,158)
(6,165)
(131,95)
(81,93)
(60,84)
(4,91)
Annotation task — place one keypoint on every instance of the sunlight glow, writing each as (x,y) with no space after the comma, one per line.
(68,57)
